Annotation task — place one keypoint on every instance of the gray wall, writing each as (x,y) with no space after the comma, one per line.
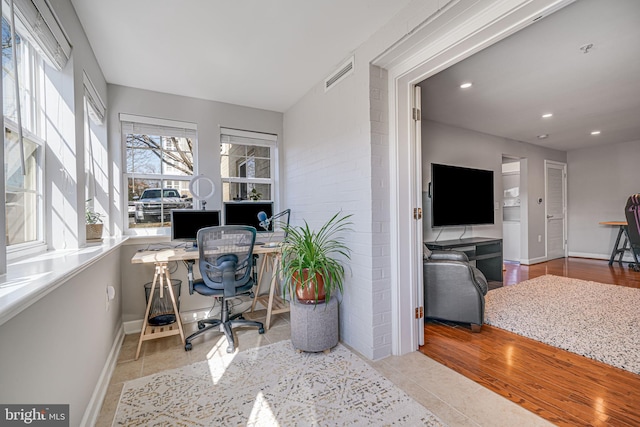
(600,179)
(55,350)
(209,116)
(450,145)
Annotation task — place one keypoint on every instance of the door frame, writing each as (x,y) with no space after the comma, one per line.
(455,32)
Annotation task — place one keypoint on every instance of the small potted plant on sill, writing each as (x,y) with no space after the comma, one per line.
(313,272)
(93,223)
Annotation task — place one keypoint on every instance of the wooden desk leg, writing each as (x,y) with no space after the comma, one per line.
(272,289)
(161,272)
(174,303)
(146,313)
(256,293)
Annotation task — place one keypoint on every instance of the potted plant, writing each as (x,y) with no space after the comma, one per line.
(94,223)
(312,260)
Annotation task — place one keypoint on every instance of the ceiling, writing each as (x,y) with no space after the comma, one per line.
(262,54)
(542,69)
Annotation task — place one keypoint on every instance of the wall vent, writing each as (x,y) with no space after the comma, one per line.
(337,76)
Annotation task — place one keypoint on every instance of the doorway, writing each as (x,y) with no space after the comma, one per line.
(414,59)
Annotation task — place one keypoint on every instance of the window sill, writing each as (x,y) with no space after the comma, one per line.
(29,279)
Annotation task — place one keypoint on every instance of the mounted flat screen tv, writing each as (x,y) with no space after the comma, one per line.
(461,196)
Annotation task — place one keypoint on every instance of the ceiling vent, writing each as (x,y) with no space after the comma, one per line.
(337,76)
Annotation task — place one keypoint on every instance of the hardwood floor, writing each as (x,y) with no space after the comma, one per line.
(564,388)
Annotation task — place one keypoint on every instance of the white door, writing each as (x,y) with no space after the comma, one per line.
(555,209)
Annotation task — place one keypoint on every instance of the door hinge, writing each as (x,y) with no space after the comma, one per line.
(419,312)
(416,114)
(417,213)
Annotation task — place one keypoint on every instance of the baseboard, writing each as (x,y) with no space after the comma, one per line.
(190,316)
(625,258)
(92,411)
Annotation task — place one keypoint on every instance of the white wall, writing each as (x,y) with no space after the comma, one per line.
(209,117)
(461,147)
(55,350)
(600,179)
(336,158)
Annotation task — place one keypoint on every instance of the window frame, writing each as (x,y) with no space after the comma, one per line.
(260,139)
(162,177)
(31,79)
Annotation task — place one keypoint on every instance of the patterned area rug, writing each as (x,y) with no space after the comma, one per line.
(271,386)
(592,319)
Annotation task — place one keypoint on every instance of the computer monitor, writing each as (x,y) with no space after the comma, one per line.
(246,213)
(185,223)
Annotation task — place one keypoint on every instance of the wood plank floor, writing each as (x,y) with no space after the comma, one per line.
(562,387)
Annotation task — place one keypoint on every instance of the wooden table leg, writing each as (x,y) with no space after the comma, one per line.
(149,332)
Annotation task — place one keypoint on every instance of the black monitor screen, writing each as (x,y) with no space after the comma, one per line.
(246,213)
(185,223)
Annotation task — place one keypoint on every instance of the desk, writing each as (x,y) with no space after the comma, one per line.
(622,229)
(274,303)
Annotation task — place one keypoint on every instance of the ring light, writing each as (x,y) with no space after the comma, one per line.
(192,187)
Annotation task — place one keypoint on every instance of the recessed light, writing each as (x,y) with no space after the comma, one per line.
(547,115)
(543,136)
(465,85)
(595,132)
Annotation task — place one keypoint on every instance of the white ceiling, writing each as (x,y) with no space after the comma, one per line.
(262,54)
(542,69)
(269,54)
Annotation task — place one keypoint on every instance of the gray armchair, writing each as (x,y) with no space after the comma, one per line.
(454,290)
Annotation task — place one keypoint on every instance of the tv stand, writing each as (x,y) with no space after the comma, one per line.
(485,251)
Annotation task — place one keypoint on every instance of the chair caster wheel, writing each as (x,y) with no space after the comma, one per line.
(201,325)
(188,347)
(261,331)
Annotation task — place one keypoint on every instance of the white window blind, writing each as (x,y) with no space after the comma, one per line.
(97,109)
(151,126)
(45,29)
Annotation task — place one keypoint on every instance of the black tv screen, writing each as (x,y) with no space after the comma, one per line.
(246,213)
(185,223)
(461,196)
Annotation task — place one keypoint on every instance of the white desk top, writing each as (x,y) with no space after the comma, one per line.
(181,254)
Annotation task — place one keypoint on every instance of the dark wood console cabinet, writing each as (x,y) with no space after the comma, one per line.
(485,251)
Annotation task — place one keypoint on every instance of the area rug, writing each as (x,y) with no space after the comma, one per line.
(595,320)
(271,386)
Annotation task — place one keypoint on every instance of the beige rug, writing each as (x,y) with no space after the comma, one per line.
(592,319)
(271,386)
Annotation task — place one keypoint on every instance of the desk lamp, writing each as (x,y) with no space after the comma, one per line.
(266,222)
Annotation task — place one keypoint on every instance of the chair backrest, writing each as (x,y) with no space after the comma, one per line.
(632,212)
(225,259)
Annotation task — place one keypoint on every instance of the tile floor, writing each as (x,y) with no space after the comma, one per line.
(454,398)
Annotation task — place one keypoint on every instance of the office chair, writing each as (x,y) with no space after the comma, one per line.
(226,265)
(632,213)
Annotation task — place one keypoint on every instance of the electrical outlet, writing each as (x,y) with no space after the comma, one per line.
(539,238)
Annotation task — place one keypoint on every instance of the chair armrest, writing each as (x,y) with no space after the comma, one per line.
(449,256)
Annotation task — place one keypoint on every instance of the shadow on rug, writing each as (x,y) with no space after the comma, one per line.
(591,319)
(271,386)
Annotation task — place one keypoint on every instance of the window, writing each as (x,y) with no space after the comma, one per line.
(247,165)
(159,166)
(23,179)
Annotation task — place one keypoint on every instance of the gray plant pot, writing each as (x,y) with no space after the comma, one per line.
(314,327)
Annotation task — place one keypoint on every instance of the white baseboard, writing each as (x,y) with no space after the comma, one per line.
(135,326)
(190,316)
(92,411)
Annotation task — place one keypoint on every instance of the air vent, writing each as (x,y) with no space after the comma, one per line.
(337,76)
